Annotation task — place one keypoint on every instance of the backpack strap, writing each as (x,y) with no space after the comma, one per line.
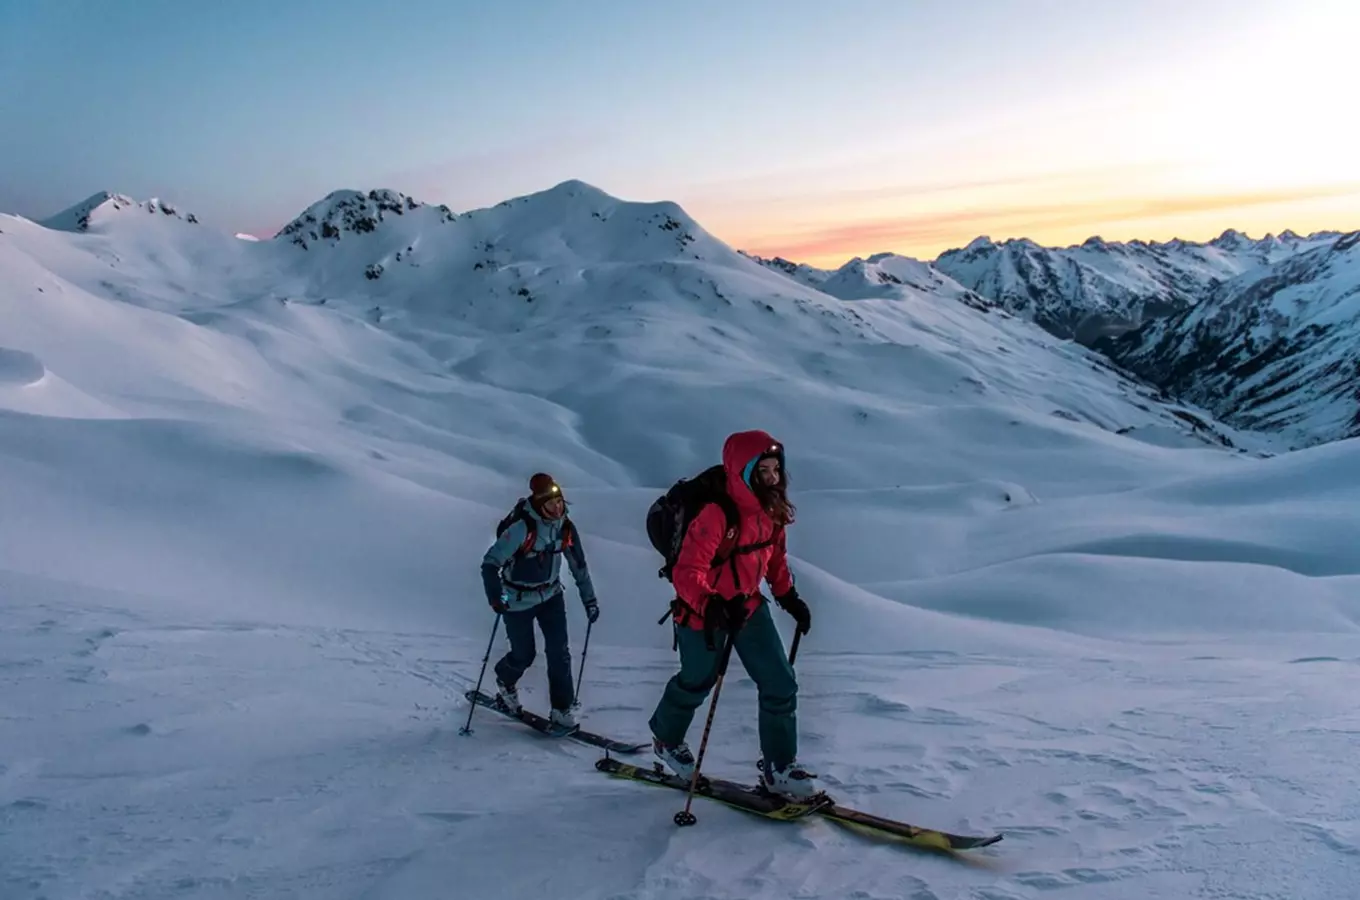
(531,527)
(733,517)
(734,522)
(530,531)
(680,610)
(568,535)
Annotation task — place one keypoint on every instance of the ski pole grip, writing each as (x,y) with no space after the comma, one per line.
(793,651)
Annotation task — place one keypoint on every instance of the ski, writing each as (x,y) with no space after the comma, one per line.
(734,794)
(913,834)
(545,727)
(758,801)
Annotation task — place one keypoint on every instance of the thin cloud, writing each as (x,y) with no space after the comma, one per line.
(782,196)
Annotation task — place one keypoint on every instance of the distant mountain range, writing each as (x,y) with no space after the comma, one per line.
(1265,333)
(1276,348)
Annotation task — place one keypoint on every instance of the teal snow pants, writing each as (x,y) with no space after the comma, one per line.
(762,654)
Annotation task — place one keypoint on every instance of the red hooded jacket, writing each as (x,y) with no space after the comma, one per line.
(695,577)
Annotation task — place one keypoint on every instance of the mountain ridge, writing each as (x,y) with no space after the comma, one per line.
(622,300)
(397,258)
(1275,349)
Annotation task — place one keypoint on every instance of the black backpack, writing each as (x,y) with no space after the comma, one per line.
(671,513)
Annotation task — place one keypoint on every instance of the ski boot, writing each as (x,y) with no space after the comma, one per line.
(508,697)
(678,758)
(792,782)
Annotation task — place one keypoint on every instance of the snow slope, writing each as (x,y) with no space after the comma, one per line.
(1277,349)
(248,485)
(800,272)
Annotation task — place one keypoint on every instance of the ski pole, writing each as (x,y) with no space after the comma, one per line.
(472,705)
(685,817)
(585,646)
(793,651)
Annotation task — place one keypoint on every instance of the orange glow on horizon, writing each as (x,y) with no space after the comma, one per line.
(1197,217)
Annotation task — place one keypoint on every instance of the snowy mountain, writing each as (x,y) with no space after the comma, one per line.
(1276,349)
(891,275)
(633,281)
(353,212)
(881,275)
(1137,302)
(810,276)
(104,208)
(249,484)
(1103,288)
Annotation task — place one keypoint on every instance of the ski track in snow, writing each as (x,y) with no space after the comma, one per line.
(280,761)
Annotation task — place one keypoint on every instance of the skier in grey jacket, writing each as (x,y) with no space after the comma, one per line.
(520,575)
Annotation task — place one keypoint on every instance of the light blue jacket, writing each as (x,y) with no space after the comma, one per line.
(524,581)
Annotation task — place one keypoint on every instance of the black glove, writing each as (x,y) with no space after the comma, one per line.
(498,605)
(792,604)
(592,610)
(736,612)
(721,614)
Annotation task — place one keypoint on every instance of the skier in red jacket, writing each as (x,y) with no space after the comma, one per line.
(724,599)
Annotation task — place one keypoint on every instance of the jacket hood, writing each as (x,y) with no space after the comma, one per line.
(528,504)
(742,450)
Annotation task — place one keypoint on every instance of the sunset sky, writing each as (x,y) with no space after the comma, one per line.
(816,131)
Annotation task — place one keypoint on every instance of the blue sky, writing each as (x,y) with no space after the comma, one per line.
(771,122)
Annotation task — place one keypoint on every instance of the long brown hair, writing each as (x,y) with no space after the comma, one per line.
(774,499)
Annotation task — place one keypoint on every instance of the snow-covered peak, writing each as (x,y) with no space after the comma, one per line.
(569,205)
(894,276)
(1232,240)
(978,250)
(347,212)
(582,219)
(860,272)
(574,199)
(512,249)
(569,197)
(106,207)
